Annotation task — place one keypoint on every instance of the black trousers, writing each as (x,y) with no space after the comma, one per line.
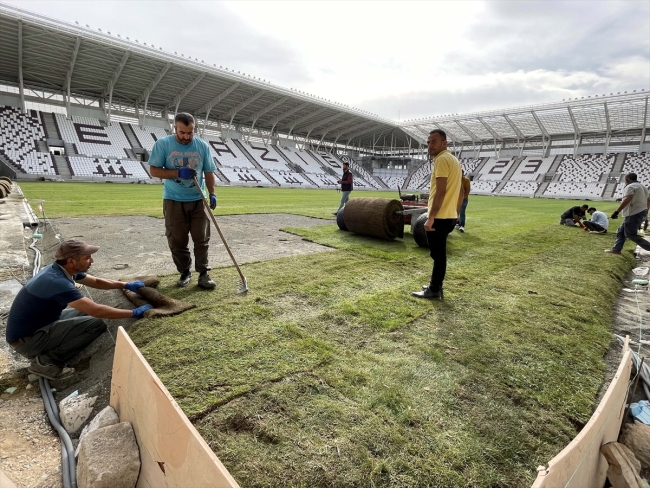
(183,219)
(591,226)
(438,250)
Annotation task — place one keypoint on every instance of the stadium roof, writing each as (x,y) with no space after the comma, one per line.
(40,53)
(605,115)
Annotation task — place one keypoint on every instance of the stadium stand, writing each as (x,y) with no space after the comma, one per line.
(421,178)
(20,134)
(106,168)
(519,188)
(566,189)
(639,164)
(393,182)
(148,136)
(267,157)
(496,168)
(90,138)
(531,167)
(469,164)
(228,154)
(243,176)
(585,168)
(482,187)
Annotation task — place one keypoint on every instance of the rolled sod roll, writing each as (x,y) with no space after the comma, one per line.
(374,217)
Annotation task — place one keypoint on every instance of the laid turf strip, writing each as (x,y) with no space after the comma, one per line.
(327,373)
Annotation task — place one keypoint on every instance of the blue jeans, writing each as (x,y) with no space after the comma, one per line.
(461,215)
(629,230)
(344,198)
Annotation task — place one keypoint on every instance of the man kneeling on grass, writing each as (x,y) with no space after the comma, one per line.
(42,329)
(598,223)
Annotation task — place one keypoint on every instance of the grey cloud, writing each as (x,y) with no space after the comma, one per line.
(569,36)
(501,95)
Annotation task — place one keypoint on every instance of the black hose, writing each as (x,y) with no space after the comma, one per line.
(68,463)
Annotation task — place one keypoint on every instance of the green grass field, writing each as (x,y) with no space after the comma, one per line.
(327,373)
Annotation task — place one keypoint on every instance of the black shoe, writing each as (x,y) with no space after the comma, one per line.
(205,281)
(185,278)
(428,294)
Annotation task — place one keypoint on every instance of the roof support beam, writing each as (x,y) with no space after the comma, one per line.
(148,91)
(489,129)
(253,118)
(302,119)
(330,129)
(469,132)
(546,143)
(608,136)
(645,123)
(68,78)
(207,108)
(21,86)
(520,135)
(288,113)
(576,131)
(177,99)
(365,131)
(233,111)
(325,121)
(112,81)
(453,137)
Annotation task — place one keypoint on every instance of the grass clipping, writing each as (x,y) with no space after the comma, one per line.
(164,306)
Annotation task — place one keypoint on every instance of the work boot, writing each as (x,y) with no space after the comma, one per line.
(205,281)
(428,294)
(50,371)
(185,278)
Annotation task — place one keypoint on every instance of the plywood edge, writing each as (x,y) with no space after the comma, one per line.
(128,356)
(614,398)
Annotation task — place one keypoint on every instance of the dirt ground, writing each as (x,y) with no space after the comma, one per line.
(131,246)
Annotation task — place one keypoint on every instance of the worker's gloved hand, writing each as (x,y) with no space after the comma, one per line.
(134,285)
(213,201)
(615,214)
(185,173)
(139,312)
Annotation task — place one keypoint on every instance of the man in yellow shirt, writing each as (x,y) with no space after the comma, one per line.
(445,199)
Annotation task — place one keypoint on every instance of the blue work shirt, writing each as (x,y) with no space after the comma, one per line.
(168,153)
(41,301)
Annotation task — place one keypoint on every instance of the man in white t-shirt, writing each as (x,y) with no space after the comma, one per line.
(635,210)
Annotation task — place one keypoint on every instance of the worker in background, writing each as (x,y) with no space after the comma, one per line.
(41,328)
(445,200)
(346,186)
(634,207)
(465,188)
(177,160)
(598,224)
(573,216)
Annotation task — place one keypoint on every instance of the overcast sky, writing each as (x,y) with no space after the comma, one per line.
(398,59)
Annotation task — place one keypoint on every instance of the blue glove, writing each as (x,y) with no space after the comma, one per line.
(213,201)
(139,312)
(185,173)
(134,285)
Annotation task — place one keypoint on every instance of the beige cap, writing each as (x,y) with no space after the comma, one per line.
(72,249)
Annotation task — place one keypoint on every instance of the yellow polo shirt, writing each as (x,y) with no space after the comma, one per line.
(445,165)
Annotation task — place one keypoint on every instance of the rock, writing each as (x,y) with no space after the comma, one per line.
(109,458)
(75,411)
(32,377)
(103,419)
(11,390)
(636,437)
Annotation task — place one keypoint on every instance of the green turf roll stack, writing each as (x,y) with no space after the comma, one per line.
(374,217)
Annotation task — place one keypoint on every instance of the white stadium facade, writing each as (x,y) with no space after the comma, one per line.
(79,104)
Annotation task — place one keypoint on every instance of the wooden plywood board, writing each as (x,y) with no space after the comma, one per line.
(172,452)
(581,463)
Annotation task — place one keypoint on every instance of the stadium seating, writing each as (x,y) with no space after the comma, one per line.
(421,178)
(565,189)
(106,168)
(148,136)
(266,157)
(393,182)
(639,164)
(521,188)
(307,163)
(469,164)
(228,154)
(496,169)
(244,176)
(91,139)
(531,167)
(481,187)
(19,136)
(586,167)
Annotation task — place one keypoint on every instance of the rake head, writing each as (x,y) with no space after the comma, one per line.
(242,286)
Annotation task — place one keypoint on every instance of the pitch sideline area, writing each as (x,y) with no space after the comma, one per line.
(328,373)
